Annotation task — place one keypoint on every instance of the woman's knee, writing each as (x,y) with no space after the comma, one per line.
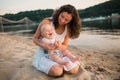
(74,70)
(56,70)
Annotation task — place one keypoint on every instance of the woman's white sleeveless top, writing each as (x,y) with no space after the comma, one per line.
(60,37)
(44,64)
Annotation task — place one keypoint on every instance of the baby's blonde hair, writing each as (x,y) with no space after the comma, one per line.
(43,28)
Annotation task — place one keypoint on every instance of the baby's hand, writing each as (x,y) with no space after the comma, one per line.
(52,46)
(57,44)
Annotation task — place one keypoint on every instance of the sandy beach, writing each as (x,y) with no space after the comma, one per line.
(100,62)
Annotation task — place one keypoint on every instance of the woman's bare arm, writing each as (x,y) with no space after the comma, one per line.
(37,35)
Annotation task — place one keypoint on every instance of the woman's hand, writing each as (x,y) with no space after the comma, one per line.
(57,44)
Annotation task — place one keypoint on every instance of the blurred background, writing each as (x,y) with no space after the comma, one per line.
(101,17)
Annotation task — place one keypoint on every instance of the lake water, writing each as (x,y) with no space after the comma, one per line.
(101,41)
(95,40)
(105,37)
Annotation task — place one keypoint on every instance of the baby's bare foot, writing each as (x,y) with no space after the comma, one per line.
(76,59)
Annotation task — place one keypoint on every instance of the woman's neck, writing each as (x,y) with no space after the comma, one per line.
(60,29)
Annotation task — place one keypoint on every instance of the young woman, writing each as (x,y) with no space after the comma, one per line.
(66,22)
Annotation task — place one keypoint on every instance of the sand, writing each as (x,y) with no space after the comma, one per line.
(17,54)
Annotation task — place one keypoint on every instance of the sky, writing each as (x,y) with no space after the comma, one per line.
(15,6)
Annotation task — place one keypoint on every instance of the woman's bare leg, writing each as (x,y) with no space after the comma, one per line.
(56,70)
(73,71)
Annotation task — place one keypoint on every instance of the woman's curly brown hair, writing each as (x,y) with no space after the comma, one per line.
(74,25)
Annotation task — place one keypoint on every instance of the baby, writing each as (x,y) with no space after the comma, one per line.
(47,33)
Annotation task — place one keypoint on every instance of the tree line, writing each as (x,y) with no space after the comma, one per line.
(103,9)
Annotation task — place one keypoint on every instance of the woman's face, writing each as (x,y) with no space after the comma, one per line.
(64,18)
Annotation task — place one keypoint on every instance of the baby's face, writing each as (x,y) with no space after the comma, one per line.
(48,32)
